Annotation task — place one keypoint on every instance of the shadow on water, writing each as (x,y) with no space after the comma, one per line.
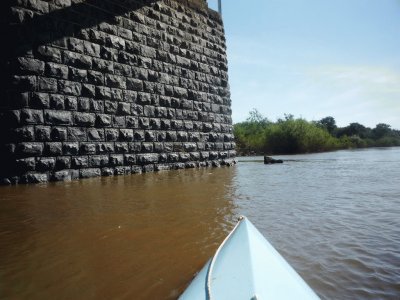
(132,237)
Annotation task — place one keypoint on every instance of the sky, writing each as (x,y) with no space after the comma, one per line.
(314,58)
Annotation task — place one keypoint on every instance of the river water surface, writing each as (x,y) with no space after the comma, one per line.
(334,216)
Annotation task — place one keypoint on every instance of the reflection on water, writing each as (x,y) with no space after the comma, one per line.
(333,216)
(134,237)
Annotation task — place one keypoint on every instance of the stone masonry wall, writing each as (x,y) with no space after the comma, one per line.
(109,87)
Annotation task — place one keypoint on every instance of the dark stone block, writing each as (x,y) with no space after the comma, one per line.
(98,160)
(26,66)
(88,90)
(95,78)
(87,148)
(70,148)
(84,119)
(63,175)
(147,147)
(96,106)
(83,104)
(116,160)
(19,100)
(130,159)
(25,164)
(110,107)
(56,70)
(71,103)
(105,148)
(103,120)
(78,74)
(47,84)
(56,117)
(77,60)
(119,121)
(135,147)
(121,147)
(132,122)
(124,108)
(144,159)
(63,162)
(77,134)
(40,100)
(111,134)
(107,172)
(45,164)
(150,136)
(26,134)
(42,133)
(53,149)
(58,134)
(115,81)
(49,54)
(126,135)
(87,173)
(103,65)
(78,162)
(29,149)
(70,87)
(24,83)
(34,178)
(56,102)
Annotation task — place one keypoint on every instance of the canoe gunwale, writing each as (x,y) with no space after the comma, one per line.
(214,259)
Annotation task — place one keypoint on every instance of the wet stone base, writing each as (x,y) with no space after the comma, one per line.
(71,174)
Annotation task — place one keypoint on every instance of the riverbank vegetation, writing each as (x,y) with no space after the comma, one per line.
(289,135)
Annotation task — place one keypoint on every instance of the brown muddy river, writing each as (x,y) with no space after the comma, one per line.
(334,216)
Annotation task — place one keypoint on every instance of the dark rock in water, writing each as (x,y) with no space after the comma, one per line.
(269,160)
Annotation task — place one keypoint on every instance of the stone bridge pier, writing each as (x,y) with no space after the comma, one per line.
(110,87)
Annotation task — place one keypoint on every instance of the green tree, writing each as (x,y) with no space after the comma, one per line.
(329,123)
(381,130)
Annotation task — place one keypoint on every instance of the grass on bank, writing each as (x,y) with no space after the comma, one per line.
(290,135)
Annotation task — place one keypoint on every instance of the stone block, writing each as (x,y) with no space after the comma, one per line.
(63,175)
(25,164)
(70,148)
(79,162)
(24,83)
(84,119)
(56,117)
(77,60)
(116,160)
(56,70)
(29,149)
(91,172)
(63,162)
(77,134)
(87,148)
(26,134)
(27,65)
(56,102)
(95,134)
(46,84)
(58,134)
(45,164)
(105,148)
(126,135)
(98,160)
(70,87)
(42,133)
(53,148)
(149,158)
(34,178)
(121,147)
